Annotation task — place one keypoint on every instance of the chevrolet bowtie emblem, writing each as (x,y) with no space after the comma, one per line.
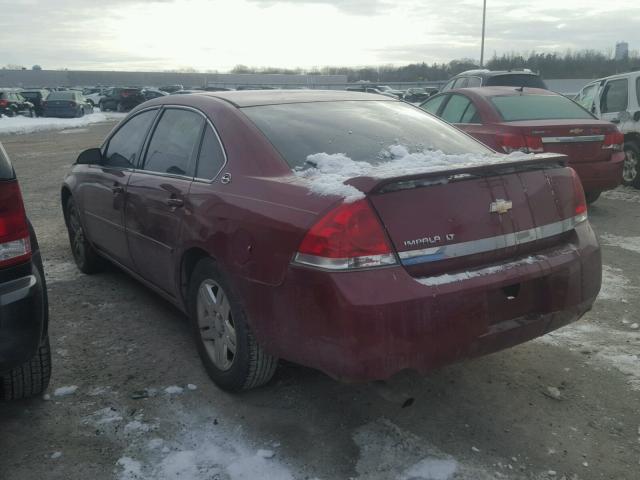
(576,131)
(500,206)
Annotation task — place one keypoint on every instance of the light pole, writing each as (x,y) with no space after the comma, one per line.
(484,16)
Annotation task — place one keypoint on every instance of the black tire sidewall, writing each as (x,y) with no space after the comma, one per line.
(233,379)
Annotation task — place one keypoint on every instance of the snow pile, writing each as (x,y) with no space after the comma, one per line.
(329,172)
(625,194)
(22,125)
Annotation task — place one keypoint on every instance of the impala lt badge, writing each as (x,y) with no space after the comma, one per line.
(500,206)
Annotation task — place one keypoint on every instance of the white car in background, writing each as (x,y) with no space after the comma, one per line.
(94,95)
(617,99)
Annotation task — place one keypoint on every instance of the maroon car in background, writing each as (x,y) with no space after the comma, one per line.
(204,199)
(533,120)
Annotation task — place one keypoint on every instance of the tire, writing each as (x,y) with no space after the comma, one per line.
(631,169)
(592,196)
(120,107)
(80,112)
(218,320)
(87,259)
(29,379)
(11,113)
(102,107)
(32,113)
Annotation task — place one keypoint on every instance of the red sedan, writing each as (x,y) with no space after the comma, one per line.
(533,120)
(349,232)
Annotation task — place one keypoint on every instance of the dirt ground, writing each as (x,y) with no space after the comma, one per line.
(564,406)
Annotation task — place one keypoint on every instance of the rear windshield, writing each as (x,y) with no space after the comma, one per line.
(6,170)
(362,130)
(30,94)
(61,96)
(513,108)
(515,80)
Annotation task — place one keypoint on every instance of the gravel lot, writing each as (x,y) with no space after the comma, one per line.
(564,406)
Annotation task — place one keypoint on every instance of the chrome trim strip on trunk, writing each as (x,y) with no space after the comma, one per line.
(584,138)
(434,254)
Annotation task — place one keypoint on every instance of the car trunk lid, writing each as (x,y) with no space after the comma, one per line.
(466,218)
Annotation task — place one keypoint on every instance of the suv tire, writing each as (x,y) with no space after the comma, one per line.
(29,379)
(221,331)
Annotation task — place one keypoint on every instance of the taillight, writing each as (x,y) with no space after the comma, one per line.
(614,141)
(349,236)
(579,201)
(15,246)
(512,142)
(4,103)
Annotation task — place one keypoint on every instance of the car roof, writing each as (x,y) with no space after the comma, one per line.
(495,73)
(254,98)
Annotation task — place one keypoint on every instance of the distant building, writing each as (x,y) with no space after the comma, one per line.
(622,50)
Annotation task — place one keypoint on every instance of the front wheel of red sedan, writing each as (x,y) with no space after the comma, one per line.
(228,349)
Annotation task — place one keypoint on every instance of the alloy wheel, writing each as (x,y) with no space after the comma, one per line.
(630,168)
(215,322)
(77,234)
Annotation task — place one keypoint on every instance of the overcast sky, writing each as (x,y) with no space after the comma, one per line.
(219,34)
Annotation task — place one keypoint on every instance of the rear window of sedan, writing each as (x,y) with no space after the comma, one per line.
(513,108)
(361,130)
(61,96)
(515,80)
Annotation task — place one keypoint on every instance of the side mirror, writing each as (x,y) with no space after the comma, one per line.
(92,156)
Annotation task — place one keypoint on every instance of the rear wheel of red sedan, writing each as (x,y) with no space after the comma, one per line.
(631,169)
(228,349)
(86,258)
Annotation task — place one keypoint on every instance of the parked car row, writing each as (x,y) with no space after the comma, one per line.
(42,103)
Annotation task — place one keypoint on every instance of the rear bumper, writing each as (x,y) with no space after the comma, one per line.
(369,325)
(60,113)
(600,176)
(22,319)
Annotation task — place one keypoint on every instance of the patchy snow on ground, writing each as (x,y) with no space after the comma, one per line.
(628,243)
(64,391)
(604,346)
(22,125)
(614,284)
(625,194)
(60,271)
(199,450)
(173,390)
(329,172)
(389,452)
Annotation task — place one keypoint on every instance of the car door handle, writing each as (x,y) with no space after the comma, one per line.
(117,189)
(175,202)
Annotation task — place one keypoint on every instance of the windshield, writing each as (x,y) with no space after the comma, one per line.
(513,108)
(361,130)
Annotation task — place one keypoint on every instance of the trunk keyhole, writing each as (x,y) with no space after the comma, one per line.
(511,291)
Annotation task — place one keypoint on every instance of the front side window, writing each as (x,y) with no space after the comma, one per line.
(449,85)
(474,82)
(123,148)
(211,158)
(615,97)
(455,109)
(174,145)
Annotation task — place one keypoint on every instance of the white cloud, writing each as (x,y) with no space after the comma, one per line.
(218,34)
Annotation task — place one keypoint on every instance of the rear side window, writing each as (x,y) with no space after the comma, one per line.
(432,105)
(474,82)
(516,80)
(587,96)
(211,158)
(615,97)
(513,108)
(125,145)
(456,108)
(175,142)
